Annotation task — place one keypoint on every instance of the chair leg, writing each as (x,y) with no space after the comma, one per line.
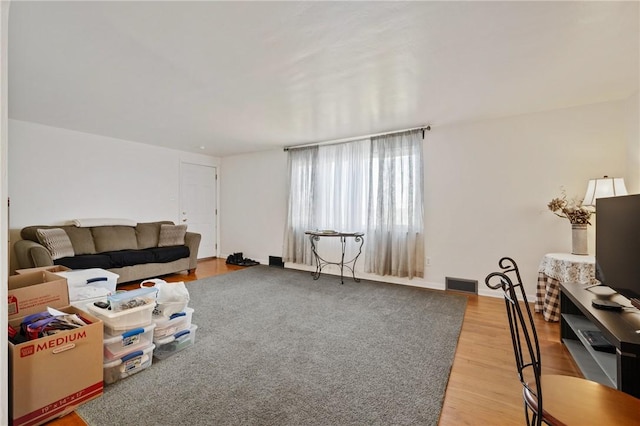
(535,420)
(532,419)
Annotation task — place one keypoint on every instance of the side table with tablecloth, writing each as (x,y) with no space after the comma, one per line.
(556,268)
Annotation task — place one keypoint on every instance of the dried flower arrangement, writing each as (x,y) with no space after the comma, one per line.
(570,209)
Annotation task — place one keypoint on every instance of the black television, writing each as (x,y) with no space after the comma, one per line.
(618,244)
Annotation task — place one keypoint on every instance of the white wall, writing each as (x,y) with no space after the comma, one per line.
(488,184)
(57,175)
(486,189)
(253,200)
(633,143)
(4,224)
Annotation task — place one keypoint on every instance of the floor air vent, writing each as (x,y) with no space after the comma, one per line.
(460,284)
(276,261)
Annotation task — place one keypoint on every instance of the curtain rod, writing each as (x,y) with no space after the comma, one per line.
(337,141)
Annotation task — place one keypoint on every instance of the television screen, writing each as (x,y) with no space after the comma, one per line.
(618,244)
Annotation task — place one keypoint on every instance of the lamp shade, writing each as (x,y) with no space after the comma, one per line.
(603,187)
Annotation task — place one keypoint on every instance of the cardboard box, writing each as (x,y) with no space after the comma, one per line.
(51,376)
(54,268)
(33,292)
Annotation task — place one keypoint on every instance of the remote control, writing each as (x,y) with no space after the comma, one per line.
(606,305)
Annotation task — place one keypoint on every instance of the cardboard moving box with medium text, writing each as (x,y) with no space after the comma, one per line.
(52,375)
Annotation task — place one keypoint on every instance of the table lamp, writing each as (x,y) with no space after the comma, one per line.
(603,187)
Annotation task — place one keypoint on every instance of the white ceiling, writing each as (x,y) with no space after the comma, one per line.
(237,77)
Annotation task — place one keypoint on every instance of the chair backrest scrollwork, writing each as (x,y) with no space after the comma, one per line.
(522,327)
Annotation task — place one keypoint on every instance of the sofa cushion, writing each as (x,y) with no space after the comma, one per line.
(81,239)
(85,261)
(147,234)
(29,232)
(56,241)
(169,254)
(172,235)
(122,258)
(114,238)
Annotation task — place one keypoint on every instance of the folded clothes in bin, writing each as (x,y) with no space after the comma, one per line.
(127,365)
(77,294)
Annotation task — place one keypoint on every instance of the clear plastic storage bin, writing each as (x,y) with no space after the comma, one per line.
(170,345)
(90,283)
(117,346)
(175,323)
(125,300)
(118,322)
(127,365)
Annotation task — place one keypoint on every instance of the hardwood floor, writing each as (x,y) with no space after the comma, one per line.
(483,387)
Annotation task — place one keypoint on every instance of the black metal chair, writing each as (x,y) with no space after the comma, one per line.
(569,400)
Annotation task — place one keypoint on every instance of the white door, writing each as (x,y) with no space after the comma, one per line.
(198,205)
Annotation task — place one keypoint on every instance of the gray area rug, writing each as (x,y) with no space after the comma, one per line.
(275,347)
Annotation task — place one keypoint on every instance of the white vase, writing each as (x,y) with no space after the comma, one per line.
(579,239)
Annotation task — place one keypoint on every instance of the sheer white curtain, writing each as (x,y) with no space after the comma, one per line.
(394,239)
(303,164)
(342,186)
(372,185)
(328,189)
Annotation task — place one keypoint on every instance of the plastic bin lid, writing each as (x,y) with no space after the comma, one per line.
(76,275)
(127,357)
(171,338)
(108,338)
(161,320)
(111,314)
(125,295)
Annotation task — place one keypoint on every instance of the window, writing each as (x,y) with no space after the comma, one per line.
(372,185)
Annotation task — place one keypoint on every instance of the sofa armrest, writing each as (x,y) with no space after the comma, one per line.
(30,254)
(192,240)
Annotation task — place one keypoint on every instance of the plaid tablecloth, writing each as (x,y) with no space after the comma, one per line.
(556,268)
